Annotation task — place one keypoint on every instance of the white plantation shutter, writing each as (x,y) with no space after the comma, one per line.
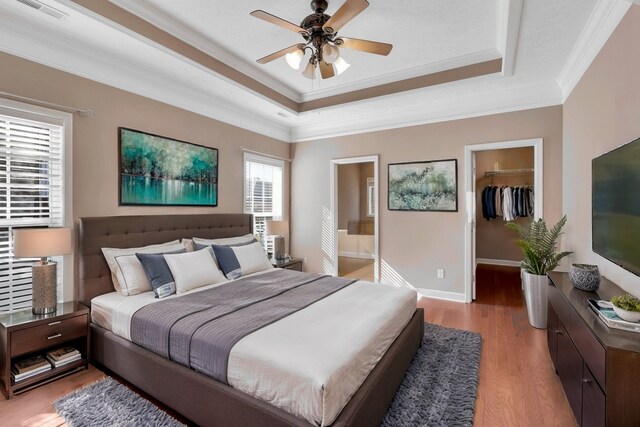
(263,192)
(31,195)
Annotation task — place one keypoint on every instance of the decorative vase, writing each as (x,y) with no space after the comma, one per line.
(536,291)
(585,277)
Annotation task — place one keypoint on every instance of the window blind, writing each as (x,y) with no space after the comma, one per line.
(31,195)
(263,192)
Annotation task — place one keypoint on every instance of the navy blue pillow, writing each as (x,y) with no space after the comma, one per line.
(227,261)
(158,273)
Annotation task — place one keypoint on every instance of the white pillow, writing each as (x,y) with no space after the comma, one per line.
(191,270)
(188,244)
(237,261)
(225,241)
(127,274)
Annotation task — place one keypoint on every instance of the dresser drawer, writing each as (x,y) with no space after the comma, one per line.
(49,334)
(590,348)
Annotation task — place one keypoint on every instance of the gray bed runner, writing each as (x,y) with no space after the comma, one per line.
(198,330)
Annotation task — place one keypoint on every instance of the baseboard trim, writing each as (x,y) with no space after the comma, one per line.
(504,262)
(356,255)
(444,295)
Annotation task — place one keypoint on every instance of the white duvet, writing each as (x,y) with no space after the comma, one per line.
(309,363)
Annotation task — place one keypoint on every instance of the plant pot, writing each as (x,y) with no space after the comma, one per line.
(629,316)
(536,292)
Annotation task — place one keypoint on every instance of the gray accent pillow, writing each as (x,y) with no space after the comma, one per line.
(159,273)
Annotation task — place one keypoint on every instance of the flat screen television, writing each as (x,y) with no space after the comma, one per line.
(616,206)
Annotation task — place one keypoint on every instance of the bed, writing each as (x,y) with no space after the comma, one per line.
(200,398)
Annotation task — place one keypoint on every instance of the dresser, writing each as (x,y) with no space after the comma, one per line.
(599,367)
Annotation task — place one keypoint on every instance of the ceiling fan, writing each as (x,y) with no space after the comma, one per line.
(320,32)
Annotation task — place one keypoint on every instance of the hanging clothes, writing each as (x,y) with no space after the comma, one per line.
(507,202)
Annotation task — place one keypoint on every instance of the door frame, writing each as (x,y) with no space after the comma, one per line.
(333,197)
(470,199)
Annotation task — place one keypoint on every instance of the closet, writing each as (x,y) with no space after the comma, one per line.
(504,193)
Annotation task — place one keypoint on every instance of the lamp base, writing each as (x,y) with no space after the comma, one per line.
(45,280)
(278,247)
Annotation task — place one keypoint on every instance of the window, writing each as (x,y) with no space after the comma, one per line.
(32,182)
(263,192)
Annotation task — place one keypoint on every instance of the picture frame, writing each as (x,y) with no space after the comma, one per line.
(154,170)
(424,186)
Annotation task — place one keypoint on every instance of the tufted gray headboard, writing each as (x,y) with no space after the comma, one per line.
(93,276)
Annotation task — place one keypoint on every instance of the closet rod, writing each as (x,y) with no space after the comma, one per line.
(246,150)
(80,111)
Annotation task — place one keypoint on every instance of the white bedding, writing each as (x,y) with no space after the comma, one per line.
(312,370)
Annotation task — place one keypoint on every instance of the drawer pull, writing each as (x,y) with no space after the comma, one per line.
(558,332)
(586,380)
(54,336)
(55,323)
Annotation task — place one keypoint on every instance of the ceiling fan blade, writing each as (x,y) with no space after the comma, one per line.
(326,70)
(261,14)
(278,54)
(349,10)
(365,45)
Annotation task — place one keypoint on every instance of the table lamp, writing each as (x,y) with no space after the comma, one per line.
(42,243)
(278,229)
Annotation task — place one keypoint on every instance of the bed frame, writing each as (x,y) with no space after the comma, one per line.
(195,396)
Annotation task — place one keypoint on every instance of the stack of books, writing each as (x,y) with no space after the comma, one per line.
(62,356)
(26,368)
(605,312)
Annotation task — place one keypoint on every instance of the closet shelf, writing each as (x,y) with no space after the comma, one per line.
(505,173)
(508,172)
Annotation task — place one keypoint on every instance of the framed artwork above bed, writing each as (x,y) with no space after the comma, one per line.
(423,186)
(159,171)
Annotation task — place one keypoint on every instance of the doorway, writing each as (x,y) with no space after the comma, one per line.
(354,197)
(486,166)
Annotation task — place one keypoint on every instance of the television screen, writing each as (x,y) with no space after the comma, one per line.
(616,206)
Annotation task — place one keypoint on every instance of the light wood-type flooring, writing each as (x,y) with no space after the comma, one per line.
(355,268)
(518,386)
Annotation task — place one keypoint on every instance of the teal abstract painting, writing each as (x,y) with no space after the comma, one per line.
(155,170)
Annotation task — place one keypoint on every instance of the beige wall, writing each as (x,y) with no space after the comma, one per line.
(493,239)
(414,244)
(348,194)
(602,112)
(366,171)
(95,138)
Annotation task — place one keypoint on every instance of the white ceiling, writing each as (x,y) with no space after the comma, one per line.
(547,44)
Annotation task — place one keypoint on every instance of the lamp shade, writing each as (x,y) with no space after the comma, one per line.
(41,242)
(277,228)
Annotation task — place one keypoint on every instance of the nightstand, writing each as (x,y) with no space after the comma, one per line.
(24,334)
(288,263)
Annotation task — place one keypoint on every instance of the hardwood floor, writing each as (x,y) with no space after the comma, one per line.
(355,268)
(518,386)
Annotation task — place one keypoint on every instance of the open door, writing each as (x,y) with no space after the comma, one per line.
(474,261)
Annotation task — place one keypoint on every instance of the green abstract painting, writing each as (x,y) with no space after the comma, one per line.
(155,170)
(423,186)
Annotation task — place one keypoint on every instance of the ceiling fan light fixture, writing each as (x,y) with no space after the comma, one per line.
(330,53)
(310,70)
(294,58)
(341,65)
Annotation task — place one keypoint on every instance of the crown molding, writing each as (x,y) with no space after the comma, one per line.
(208,46)
(604,19)
(431,68)
(509,28)
(476,105)
(36,43)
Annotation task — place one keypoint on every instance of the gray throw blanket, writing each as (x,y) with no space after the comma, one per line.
(198,330)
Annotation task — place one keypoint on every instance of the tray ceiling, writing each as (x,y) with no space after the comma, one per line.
(200,55)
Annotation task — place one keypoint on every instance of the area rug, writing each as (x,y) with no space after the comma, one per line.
(440,386)
(439,389)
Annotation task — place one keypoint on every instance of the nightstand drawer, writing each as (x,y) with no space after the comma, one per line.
(47,335)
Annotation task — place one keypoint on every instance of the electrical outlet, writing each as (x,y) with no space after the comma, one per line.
(440,273)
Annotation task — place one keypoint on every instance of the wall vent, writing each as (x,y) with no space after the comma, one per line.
(38,5)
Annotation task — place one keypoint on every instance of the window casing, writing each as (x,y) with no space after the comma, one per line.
(32,191)
(263,192)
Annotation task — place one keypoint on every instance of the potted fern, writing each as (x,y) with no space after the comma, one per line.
(540,249)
